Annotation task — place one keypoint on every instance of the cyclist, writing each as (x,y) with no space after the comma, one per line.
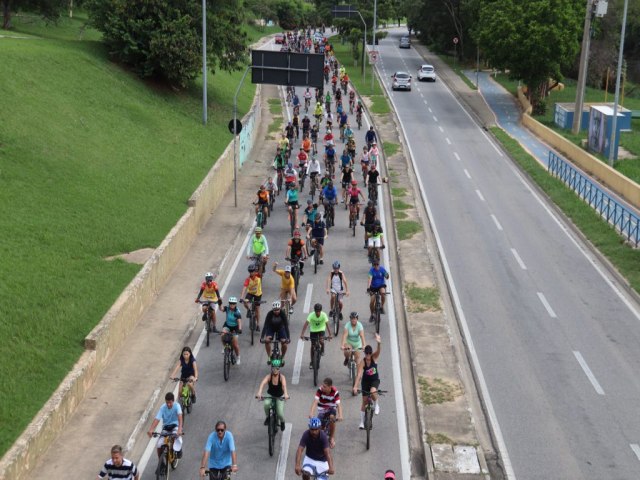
(327,399)
(290,175)
(295,121)
(252,293)
(374,153)
(339,107)
(342,122)
(328,138)
(276,322)
(329,196)
(314,444)
(330,158)
(352,99)
(306,141)
(346,177)
(232,326)
(118,467)
(309,215)
(188,371)
(369,379)
(280,162)
(318,323)
(359,111)
(283,143)
(375,237)
(351,142)
(307,97)
(352,338)
(303,158)
(170,414)
(287,285)
(370,136)
(314,138)
(364,162)
(209,290)
(334,83)
(345,158)
(327,102)
(370,216)
(355,194)
(377,277)
(326,179)
(317,112)
(372,178)
(314,170)
(296,250)
(219,454)
(295,101)
(262,202)
(291,199)
(389,475)
(258,247)
(272,188)
(290,131)
(337,284)
(277,389)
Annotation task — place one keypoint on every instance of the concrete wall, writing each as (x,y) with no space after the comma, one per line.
(123,316)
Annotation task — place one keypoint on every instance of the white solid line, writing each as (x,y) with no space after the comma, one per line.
(466,172)
(307,298)
(480,195)
(448,141)
(298,362)
(441,129)
(143,419)
(495,220)
(550,311)
(435,119)
(636,449)
(588,372)
(518,259)
(455,154)
(284,451)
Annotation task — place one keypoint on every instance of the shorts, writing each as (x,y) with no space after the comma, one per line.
(293,204)
(375,242)
(326,412)
(264,203)
(354,200)
(177,443)
(229,329)
(346,184)
(377,289)
(316,335)
(368,227)
(366,386)
(320,240)
(251,298)
(282,333)
(312,466)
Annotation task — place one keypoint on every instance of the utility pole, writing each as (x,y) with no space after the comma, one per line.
(373,45)
(582,75)
(204,62)
(614,125)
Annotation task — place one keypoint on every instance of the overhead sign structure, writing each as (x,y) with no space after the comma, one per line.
(344,11)
(287,68)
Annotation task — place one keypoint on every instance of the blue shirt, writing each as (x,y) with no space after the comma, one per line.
(343,118)
(232,316)
(220,451)
(329,193)
(169,416)
(346,159)
(377,276)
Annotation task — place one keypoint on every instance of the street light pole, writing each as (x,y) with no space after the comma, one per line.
(614,126)
(582,73)
(204,62)
(373,44)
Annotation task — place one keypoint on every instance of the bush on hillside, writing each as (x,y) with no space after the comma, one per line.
(163,40)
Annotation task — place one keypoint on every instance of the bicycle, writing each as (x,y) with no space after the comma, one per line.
(372,189)
(373,254)
(275,348)
(368,413)
(353,217)
(251,316)
(330,215)
(377,308)
(229,357)
(316,350)
(272,424)
(351,105)
(223,474)
(272,198)
(186,398)
(309,472)
(352,366)
(209,323)
(261,221)
(295,271)
(293,217)
(168,457)
(335,313)
(258,264)
(365,171)
(303,175)
(316,255)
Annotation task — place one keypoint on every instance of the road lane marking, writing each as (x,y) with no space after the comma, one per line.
(455,154)
(550,311)
(636,449)
(307,298)
(480,195)
(588,372)
(495,220)
(448,141)
(425,102)
(466,172)
(284,451)
(435,119)
(298,362)
(518,259)
(430,111)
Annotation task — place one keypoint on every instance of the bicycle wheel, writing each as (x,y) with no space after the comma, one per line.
(368,418)
(336,319)
(226,364)
(378,318)
(316,259)
(296,278)
(207,327)
(352,373)
(272,431)
(292,220)
(316,365)
(174,462)
(252,322)
(162,472)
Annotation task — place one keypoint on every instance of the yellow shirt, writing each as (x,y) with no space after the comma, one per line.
(286,284)
(254,285)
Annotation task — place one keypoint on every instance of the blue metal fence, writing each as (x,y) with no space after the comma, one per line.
(626,222)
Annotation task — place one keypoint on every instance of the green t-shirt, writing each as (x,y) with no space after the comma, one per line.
(317,324)
(353,334)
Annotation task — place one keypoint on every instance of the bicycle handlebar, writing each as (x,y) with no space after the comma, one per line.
(262,398)
(381,392)
(309,338)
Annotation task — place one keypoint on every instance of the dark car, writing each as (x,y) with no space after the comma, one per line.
(405,42)
(279,38)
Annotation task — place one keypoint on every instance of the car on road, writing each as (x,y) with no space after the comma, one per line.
(279,38)
(405,42)
(401,81)
(427,72)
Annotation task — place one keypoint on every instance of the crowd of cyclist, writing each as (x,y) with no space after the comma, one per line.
(331,112)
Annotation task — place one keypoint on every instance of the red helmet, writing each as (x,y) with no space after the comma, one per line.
(354,182)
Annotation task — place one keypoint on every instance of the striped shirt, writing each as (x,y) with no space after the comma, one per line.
(330,400)
(126,471)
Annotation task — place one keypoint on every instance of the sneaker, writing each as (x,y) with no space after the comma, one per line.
(321,262)
(282,426)
(310,365)
(179,454)
(266,421)
(214,329)
(361,426)
(257,328)
(365,246)
(291,308)
(382,311)
(346,361)
(376,409)
(238,360)
(372,319)
(340,315)
(269,362)
(301,273)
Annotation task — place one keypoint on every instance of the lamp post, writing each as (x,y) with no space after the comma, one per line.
(614,126)
(204,62)
(582,73)
(339,11)
(373,44)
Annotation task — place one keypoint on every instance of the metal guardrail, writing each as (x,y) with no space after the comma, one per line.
(626,222)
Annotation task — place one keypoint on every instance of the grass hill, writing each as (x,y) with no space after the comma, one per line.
(93,162)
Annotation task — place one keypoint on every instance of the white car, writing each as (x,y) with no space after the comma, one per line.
(426,72)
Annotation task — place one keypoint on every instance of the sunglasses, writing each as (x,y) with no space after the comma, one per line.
(219,430)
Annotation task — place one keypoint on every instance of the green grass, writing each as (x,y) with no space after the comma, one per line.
(458,68)
(275,106)
(400,215)
(439,438)
(407,229)
(600,233)
(400,205)
(437,391)
(255,32)
(398,191)
(390,148)
(93,163)
(65,28)
(422,299)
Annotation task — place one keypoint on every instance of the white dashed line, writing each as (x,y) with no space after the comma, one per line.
(455,154)
(480,195)
(430,111)
(298,362)
(307,298)
(550,311)
(441,129)
(636,449)
(284,451)
(518,259)
(425,102)
(466,172)
(435,119)
(448,141)
(495,220)
(589,373)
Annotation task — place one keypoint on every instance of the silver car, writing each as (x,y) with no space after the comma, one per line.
(405,42)
(426,72)
(401,81)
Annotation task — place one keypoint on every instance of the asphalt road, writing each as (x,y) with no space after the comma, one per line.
(234,401)
(552,336)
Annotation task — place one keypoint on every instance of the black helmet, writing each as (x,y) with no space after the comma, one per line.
(370,203)
(317,307)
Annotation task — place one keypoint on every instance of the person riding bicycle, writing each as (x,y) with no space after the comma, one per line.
(295,121)
(188,371)
(314,445)
(345,159)
(283,143)
(342,71)
(306,129)
(327,102)
(170,414)
(372,178)
(327,401)
(376,283)
(276,321)
(352,97)
(303,158)
(262,202)
(318,111)
(289,131)
(342,122)
(307,96)
(339,106)
(352,338)
(232,326)
(314,169)
(290,175)
(329,156)
(348,133)
(309,215)
(287,285)
(318,323)
(252,293)
(337,284)
(280,160)
(328,138)
(334,83)
(219,455)
(210,293)
(276,389)
(258,247)
(365,160)
(295,100)
(314,137)
(291,199)
(355,195)
(375,237)
(370,216)
(370,136)
(296,250)
(369,379)
(272,188)
(346,177)
(338,96)
(329,196)
(325,180)
(374,153)
(118,468)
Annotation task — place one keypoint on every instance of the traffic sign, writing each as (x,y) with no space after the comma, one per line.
(455,40)
(238,126)
(373,56)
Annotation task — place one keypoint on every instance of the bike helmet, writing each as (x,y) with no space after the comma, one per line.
(233,300)
(376,223)
(368,349)
(336,264)
(370,203)
(296,233)
(309,202)
(276,304)
(290,165)
(287,268)
(258,230)
(389,475)
(252,268)
(276,363)
(208,277)
(314,423)
(354,182)
(317,307)
(262,187)
(353,315)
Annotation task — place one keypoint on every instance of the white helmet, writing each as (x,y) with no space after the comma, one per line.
(276,304)
(233,300)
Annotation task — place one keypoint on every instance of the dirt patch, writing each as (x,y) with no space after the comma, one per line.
(137,256)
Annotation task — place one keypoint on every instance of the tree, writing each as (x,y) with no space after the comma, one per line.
(534,40)
(163,40)
(49,9)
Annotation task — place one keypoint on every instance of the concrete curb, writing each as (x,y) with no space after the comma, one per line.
(122,317)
